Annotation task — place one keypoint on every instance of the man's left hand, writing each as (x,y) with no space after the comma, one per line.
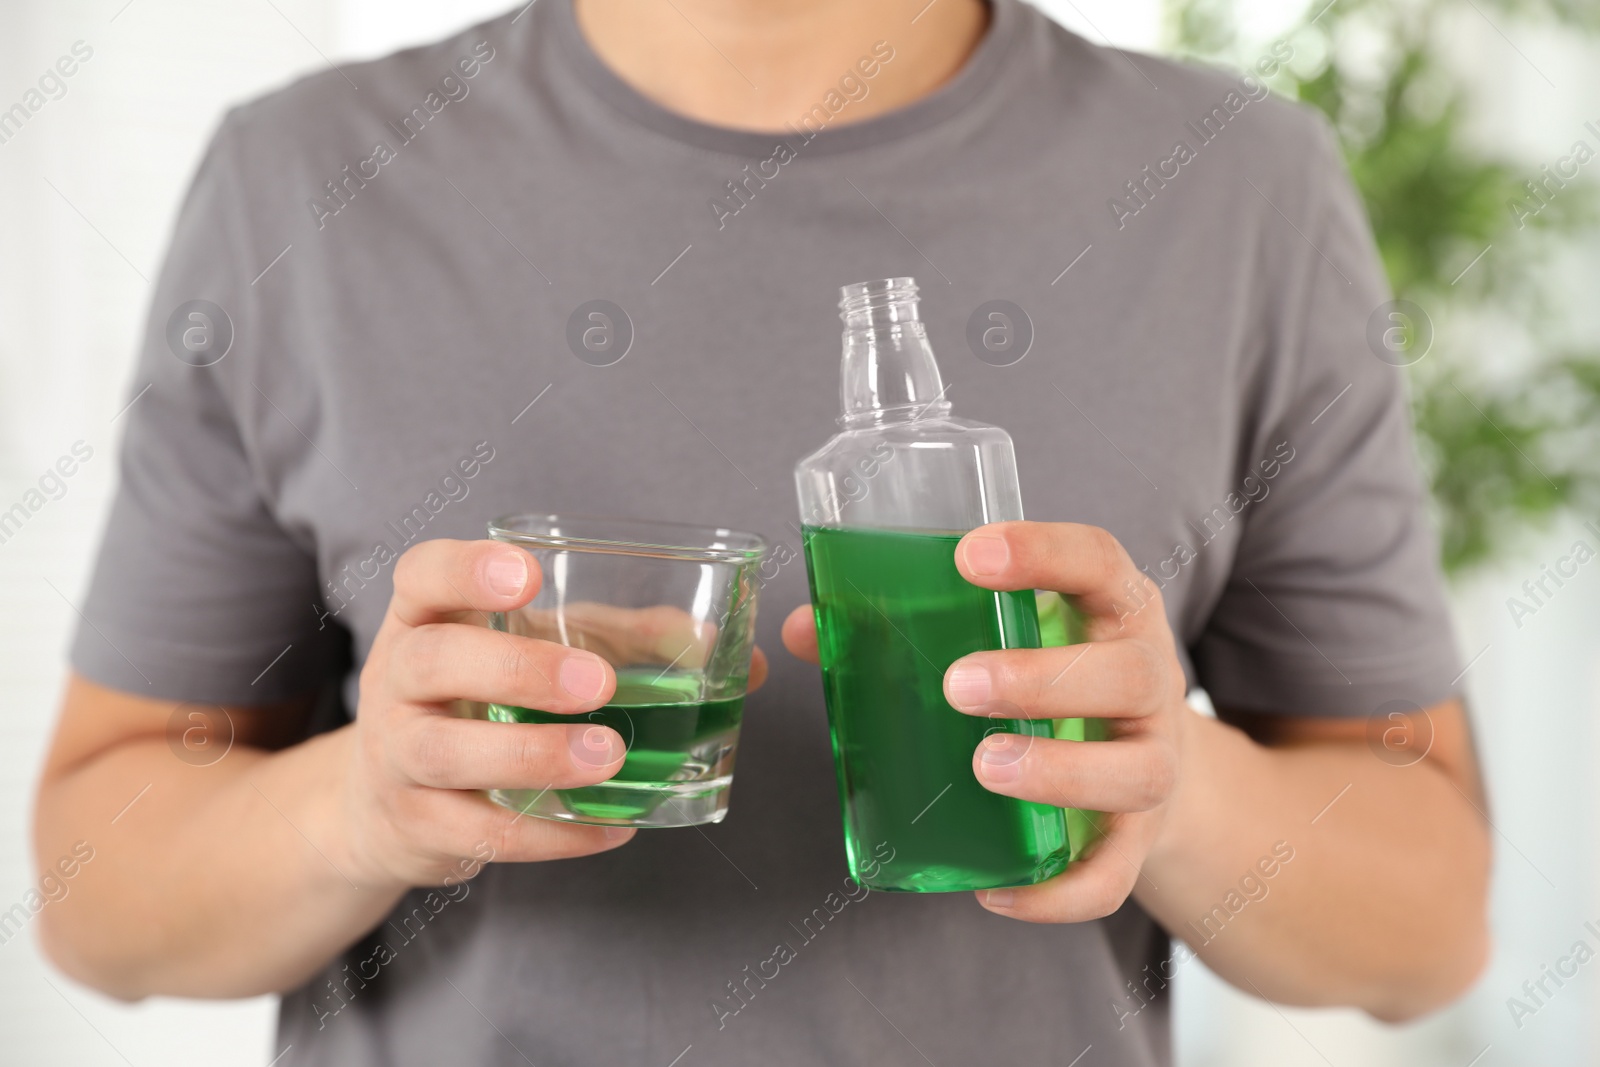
(1126,673)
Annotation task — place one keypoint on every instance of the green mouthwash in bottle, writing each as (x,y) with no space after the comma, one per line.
(883,505)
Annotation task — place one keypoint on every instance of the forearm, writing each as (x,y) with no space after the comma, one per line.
(217,881)
(1381,904)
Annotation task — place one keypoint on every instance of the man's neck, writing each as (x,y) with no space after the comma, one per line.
(762,64)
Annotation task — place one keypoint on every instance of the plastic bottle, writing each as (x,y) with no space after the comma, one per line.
(883,505)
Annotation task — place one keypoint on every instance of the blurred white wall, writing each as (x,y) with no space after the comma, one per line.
(90,185)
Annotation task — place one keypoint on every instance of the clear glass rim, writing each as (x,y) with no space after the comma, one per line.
(630,537)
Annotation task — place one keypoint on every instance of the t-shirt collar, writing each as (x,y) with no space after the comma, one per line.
(974,78)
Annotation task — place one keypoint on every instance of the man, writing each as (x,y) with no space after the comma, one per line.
(398,263)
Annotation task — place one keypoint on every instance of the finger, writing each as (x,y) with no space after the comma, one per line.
(1122,678)
(1126,774)
(758,670)
(445,661)
(660,633)
(1092,887)
(437,580)
(800,633)
(1085,562)
(463,822)
(449,753)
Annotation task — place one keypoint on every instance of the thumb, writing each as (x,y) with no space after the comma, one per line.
(800,633)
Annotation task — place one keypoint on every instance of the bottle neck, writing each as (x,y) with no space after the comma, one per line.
(888,372)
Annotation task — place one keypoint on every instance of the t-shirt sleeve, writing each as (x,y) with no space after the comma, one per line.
(1335,605)
(198,593)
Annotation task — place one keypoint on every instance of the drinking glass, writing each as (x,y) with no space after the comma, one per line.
(672,608)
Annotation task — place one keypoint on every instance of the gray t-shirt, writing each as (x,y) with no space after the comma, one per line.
(401,269)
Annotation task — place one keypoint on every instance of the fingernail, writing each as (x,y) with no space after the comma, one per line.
(998,898)
(617,833)
(1000,758)
(968,685)
(507,573)
(582,676)
(986,555)
(595,747)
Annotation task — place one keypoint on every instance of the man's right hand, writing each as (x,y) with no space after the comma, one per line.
(412,797)
(323,833)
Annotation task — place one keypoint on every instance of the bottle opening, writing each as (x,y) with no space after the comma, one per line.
(888,372)
(878,303)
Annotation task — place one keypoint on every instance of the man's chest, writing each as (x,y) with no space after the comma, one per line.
(475,383)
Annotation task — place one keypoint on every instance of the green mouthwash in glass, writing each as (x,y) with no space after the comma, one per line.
(672,736)
(884,504)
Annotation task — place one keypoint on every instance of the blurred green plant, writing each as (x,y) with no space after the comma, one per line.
(1503,449)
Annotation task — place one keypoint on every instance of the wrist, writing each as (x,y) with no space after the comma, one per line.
(1209,754)
(331,808)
